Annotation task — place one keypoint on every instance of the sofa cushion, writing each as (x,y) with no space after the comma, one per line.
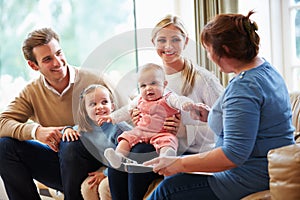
(295,104)
(284,165)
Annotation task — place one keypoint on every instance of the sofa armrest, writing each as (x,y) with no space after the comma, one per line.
(284,172)
(295,106)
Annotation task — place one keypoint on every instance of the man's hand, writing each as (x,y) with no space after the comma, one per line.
(50,136)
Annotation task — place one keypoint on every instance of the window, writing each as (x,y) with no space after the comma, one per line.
(120,40)
(123,52)
(291,38)
(279,29)
(94,34)
(261,9)
(82,26)
(295,42)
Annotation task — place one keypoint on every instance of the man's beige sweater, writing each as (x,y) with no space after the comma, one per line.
(38,104)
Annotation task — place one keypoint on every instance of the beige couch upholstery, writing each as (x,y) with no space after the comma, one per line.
(284,165)
(295,101)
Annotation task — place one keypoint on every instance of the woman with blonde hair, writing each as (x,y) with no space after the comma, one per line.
(185,78)
(170,39)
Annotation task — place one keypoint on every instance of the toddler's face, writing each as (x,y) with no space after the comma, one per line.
(98,103)
(152,85)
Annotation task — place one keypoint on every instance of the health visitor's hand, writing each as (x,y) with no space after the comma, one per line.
(165,165)
(200,112)
(188,106)
(50,136)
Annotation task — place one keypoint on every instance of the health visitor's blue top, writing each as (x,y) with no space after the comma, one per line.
(250,118)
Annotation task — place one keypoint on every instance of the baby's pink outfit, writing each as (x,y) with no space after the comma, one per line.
(150,128)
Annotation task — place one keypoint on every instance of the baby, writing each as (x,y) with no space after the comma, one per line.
(155,105)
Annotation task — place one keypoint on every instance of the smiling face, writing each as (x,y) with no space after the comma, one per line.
(169,43)
(98,103)
(51,62)
(152,83)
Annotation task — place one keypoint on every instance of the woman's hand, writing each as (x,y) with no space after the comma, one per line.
(199,111)
(172,123)
(165,165)
(70,135)
(135,116)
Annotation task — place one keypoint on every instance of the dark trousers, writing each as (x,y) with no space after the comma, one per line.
(132,186)
(23,161)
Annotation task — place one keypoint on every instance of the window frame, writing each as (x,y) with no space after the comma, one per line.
(290,61)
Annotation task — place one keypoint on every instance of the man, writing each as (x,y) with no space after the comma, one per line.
(30,127)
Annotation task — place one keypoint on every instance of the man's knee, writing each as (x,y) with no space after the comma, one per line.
(6,146)
(6,142)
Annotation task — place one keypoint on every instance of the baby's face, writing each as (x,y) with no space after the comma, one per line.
(98,103)
(152,85)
